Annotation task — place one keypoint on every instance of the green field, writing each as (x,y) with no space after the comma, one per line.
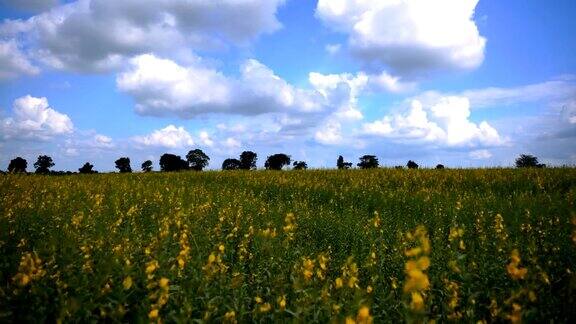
(308,246)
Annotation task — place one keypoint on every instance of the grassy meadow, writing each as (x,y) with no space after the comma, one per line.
(494,245)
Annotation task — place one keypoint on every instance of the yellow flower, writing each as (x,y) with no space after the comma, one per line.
(417,303)
(364,315)
(127,283)
(230,317)
(264,308)
(164,283)
(221,248)
(151,267)
(153,314)
(282,302)
(339,283)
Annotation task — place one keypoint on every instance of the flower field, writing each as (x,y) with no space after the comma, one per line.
(494,245)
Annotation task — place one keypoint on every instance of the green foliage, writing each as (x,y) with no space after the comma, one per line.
(493,245)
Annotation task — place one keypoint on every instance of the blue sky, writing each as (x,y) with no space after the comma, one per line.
(465,83)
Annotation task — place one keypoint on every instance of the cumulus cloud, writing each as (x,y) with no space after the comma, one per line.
(162,87)
(168,137)
(96,35)
(13,62)
(330,133)
(444,122)
(408,36)
(480,154)
(34,119)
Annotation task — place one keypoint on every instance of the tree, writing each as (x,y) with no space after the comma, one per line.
(277,161)
(342,165)
(43,164)
(86,168)
(147,166)
(440,166)
(528,161)
(300,165)
(231,164)
(18,165)
(197,159)
(368,162)
(248,160)
(123,165)
(412,165)
(171,162)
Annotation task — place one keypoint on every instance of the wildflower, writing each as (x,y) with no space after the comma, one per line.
(513,268)
(282,302)
(230,317)
(164,283)
(417,302)
(516,315)
(127,283)
(339,283)
(153,314)
(265,308)
(364,315)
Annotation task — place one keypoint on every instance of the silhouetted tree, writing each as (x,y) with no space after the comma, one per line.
(440,166)
(18,165)
(277,161)
(399,167)
(342,165)
(86,168)
(412,165)
(43,164)
(528,161)
(300,165)
(368,162)
(123,165)
(248,160)
(231,164)
(197,159)
(171,162)
(146,166)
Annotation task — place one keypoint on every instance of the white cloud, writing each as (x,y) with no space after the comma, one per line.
(554,90)
(409,35)
(480,154)
(231,143)
(168,137)
(13,62)
(205,139)
(330,133)
(444,122)
(97,35)
(333,49)
(102,141)
(34,119)
(162,87)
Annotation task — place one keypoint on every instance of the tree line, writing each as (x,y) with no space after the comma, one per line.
(197,160)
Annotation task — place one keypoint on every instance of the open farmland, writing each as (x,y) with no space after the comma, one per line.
(312,246)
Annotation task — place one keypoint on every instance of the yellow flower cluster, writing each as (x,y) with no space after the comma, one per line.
(456,234)
(184,246)
(363,317)
(453,292)
(29,269)
(513,268)
(263,307)
(215,265)
(417,282)
(349,275)
(289,226)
